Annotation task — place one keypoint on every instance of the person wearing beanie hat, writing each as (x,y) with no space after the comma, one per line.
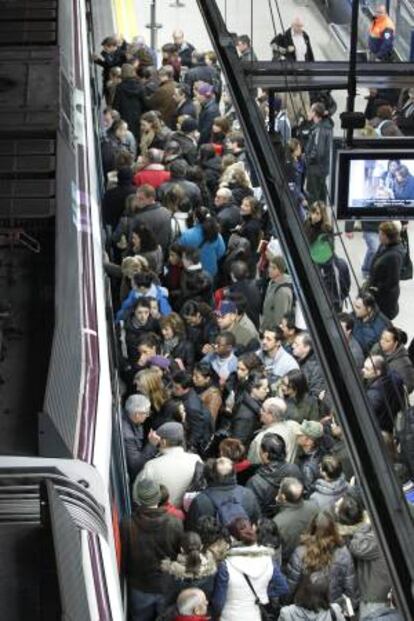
(309,439)
(174,467)
(148,536)
(209,111)
(146,493)
(137,410)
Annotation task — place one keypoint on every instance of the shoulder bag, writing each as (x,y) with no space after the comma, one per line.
(267,611)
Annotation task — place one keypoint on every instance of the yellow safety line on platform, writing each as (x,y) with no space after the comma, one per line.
(126,18)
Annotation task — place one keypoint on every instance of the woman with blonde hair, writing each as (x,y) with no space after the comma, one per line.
(149,382)
(322,552)
(129,267)
(237,180)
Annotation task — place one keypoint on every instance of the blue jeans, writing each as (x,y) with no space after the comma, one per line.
(372,241)
(145,606)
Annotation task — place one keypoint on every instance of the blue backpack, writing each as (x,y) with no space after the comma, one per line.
(230,508)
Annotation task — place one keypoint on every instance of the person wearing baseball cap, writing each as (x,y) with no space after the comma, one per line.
(232,317)
(309,436)
(174,467)
(209,111)
(148,536)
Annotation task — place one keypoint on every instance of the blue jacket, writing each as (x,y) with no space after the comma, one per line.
(405,191)
(367,333)
(157,292)
(210,252)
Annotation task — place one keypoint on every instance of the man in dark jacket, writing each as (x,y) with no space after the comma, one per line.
(199,72)
(308,363)
(385,391)
(245,417)
(199,421)
(153,215)
(266,482)
(293,44)
(113,55)
(294,516)
(185,49)
(137,410)
(209,111)
(244,48)
(384,275)
(187,137)
(178,171)
(148,536)
(247,287)
(227,213)
(309,459)
(184,105)
(318,153)
(113,202)
(129,99)
(369,322)
(221,487)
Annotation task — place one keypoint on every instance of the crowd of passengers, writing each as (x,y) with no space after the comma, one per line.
(245,504)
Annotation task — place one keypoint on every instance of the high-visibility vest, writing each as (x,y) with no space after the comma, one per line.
(379,24)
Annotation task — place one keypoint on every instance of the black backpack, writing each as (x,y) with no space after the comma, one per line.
(230,507)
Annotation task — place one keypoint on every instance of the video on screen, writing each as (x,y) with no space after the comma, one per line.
(381,183)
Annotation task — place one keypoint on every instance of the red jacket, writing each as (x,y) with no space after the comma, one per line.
(191,618)
(152,176)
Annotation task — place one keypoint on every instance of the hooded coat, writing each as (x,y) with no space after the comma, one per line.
(232,595)
(182,579)
(328,492)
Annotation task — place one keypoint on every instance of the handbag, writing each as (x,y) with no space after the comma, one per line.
(267,611)
(407,265)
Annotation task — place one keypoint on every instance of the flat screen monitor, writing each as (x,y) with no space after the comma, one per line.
(375,184)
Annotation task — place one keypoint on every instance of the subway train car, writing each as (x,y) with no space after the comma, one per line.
(63,486)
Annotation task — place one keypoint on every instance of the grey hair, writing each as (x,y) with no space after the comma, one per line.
(225,193)
(188,600)
(276,406)
(137,403)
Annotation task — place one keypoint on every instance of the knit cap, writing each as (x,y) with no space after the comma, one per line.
(146,493)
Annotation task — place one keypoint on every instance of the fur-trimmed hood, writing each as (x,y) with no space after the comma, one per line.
(252,560)
(250,551)
(177,568)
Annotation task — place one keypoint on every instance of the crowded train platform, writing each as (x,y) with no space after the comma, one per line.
(206,293)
